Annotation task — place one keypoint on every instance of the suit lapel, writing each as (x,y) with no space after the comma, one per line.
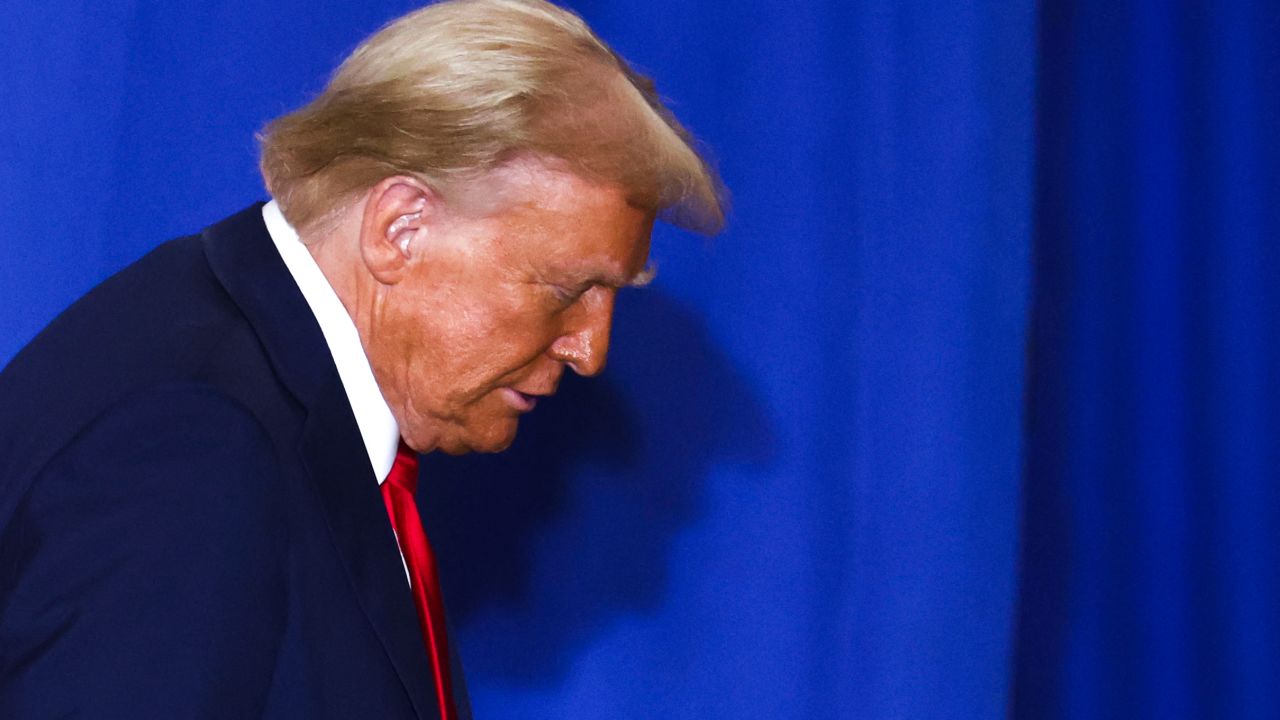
(364,538)
(245,261)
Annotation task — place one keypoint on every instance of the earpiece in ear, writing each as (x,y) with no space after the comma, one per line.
(398,225)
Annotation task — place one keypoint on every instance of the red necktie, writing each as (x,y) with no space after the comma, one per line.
(398,493)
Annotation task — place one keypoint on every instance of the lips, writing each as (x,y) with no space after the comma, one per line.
(532,400)
(521,401)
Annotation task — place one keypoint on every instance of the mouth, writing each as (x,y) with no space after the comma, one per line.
(522,402)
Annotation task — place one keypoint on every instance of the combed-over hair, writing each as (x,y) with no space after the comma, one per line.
(454,89)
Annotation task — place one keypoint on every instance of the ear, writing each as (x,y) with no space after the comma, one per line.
(396,212)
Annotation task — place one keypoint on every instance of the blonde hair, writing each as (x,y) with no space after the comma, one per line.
(456,88)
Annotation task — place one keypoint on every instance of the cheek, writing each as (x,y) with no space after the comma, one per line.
(501,324)
(476,345)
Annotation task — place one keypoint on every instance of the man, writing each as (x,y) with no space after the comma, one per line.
(206,464)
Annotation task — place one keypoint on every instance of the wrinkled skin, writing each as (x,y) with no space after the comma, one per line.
(470,308)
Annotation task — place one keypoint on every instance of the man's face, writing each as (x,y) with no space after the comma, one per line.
(493,306)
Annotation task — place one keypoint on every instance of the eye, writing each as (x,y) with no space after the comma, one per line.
(567,295)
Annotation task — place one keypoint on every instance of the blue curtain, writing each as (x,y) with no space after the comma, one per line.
(970,412)
(1151,570)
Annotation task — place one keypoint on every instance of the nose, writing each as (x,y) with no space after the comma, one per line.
(584,345)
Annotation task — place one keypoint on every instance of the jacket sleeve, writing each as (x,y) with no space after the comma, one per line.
(147,567)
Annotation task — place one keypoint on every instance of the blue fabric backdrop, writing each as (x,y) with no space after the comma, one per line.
(797,492)
(1152,534)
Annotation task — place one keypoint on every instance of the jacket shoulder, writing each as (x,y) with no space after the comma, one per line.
(164,319)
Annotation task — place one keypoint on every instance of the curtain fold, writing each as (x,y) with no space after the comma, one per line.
(1152,529)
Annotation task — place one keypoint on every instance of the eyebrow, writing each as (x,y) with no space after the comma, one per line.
(644,277)
(639,280)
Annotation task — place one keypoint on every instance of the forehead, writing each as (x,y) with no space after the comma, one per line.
(561,222)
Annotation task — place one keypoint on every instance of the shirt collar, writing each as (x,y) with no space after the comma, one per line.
(378,428)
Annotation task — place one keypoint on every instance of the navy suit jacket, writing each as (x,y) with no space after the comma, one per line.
(189,524)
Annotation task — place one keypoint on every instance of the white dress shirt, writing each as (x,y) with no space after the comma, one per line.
(378,428)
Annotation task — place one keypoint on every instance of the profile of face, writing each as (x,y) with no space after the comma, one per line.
(478,304)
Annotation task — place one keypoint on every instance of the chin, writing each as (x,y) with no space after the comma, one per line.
(496,437)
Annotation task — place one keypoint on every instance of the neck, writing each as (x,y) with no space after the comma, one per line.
(335,248)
